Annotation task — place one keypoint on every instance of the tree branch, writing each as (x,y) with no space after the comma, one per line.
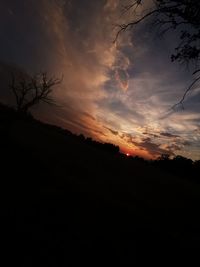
(32,90)
(180,103)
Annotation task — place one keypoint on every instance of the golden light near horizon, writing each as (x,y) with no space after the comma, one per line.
(119,93)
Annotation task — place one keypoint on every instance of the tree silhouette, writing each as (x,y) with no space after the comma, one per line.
(31,90)
(182,16)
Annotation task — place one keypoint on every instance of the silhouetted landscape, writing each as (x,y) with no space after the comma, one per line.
(67,199)
(99,132)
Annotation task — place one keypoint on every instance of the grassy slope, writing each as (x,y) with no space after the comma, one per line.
(69,202)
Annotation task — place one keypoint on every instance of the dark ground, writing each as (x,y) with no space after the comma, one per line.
(64,202)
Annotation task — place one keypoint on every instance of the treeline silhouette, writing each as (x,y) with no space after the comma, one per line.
(71,200)
(178,165)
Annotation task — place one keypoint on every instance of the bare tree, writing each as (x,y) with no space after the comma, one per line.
(31,90)
(182,16)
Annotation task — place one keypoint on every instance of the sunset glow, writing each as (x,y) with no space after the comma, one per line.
(113,92)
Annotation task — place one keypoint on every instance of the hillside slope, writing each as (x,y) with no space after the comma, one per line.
(66,202)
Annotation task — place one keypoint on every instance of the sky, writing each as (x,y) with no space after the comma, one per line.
(119,92)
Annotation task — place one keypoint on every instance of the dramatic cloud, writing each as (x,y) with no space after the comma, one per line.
(115,92)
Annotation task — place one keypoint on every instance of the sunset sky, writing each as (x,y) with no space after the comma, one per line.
(113,92)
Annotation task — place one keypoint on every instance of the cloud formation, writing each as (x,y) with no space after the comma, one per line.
(114,92)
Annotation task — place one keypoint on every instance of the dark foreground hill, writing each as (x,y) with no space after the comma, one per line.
(66,202)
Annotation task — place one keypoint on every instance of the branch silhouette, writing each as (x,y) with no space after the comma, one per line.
(30,91)
(175,15)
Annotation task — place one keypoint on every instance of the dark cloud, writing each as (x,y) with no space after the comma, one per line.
(88,115)
(154,149)
(151,135)
(129,138)
(165,134)
(112,131)
(186,143)
(147,139)
(174,147)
